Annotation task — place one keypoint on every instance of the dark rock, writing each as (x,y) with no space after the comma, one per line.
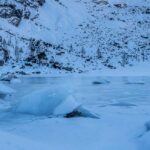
(31,3)
(101,2)
(100,82)
(57,65)
(60,53)
(147,11)
(42,56)
(73,114)
(27,14)
(28,64)
(2,63)
(67,68)
(4,56)
(15,21)
(120,5)
(9,11)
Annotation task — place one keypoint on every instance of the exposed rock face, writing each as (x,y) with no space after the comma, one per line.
(101,2)
(14,13)
(107,34)
(4,56)
(31,3)
(10,12)
(120,5)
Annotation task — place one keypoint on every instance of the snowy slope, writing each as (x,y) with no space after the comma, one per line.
(75,36)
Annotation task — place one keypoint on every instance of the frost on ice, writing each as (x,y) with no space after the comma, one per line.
(46,102)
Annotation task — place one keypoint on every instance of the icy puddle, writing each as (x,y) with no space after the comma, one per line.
(122,104)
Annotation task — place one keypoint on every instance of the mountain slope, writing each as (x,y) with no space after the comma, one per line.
(73,36)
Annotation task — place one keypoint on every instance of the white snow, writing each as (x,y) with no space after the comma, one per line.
(13,142)
(84,25)
(68,105)
(141,69)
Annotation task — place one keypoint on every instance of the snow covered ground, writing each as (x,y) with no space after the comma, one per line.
(123,104)
(82,36)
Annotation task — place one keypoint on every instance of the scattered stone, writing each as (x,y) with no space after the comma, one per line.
(101,82)
(8,77)
(101,2)
(120,5)
(10,12)
(73,114)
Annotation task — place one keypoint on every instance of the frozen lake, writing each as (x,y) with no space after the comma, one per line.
(123,104)
(101,91)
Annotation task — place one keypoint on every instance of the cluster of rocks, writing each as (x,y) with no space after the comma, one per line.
(109,40)
(115,46)
(4,55)
(10,12)
(14,13)
(40,52)
(31,3)
(101,2)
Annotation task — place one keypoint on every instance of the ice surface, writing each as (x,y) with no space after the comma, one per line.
(123,109)
(15,81)
(5,89)
(144,142)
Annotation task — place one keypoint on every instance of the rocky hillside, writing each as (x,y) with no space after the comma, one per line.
(44,36)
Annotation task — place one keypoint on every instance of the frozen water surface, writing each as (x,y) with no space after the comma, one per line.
(123,104)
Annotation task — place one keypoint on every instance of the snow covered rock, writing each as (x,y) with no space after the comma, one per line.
(8,77)
(48,103)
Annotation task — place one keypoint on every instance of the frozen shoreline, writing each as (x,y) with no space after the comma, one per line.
(141,69)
